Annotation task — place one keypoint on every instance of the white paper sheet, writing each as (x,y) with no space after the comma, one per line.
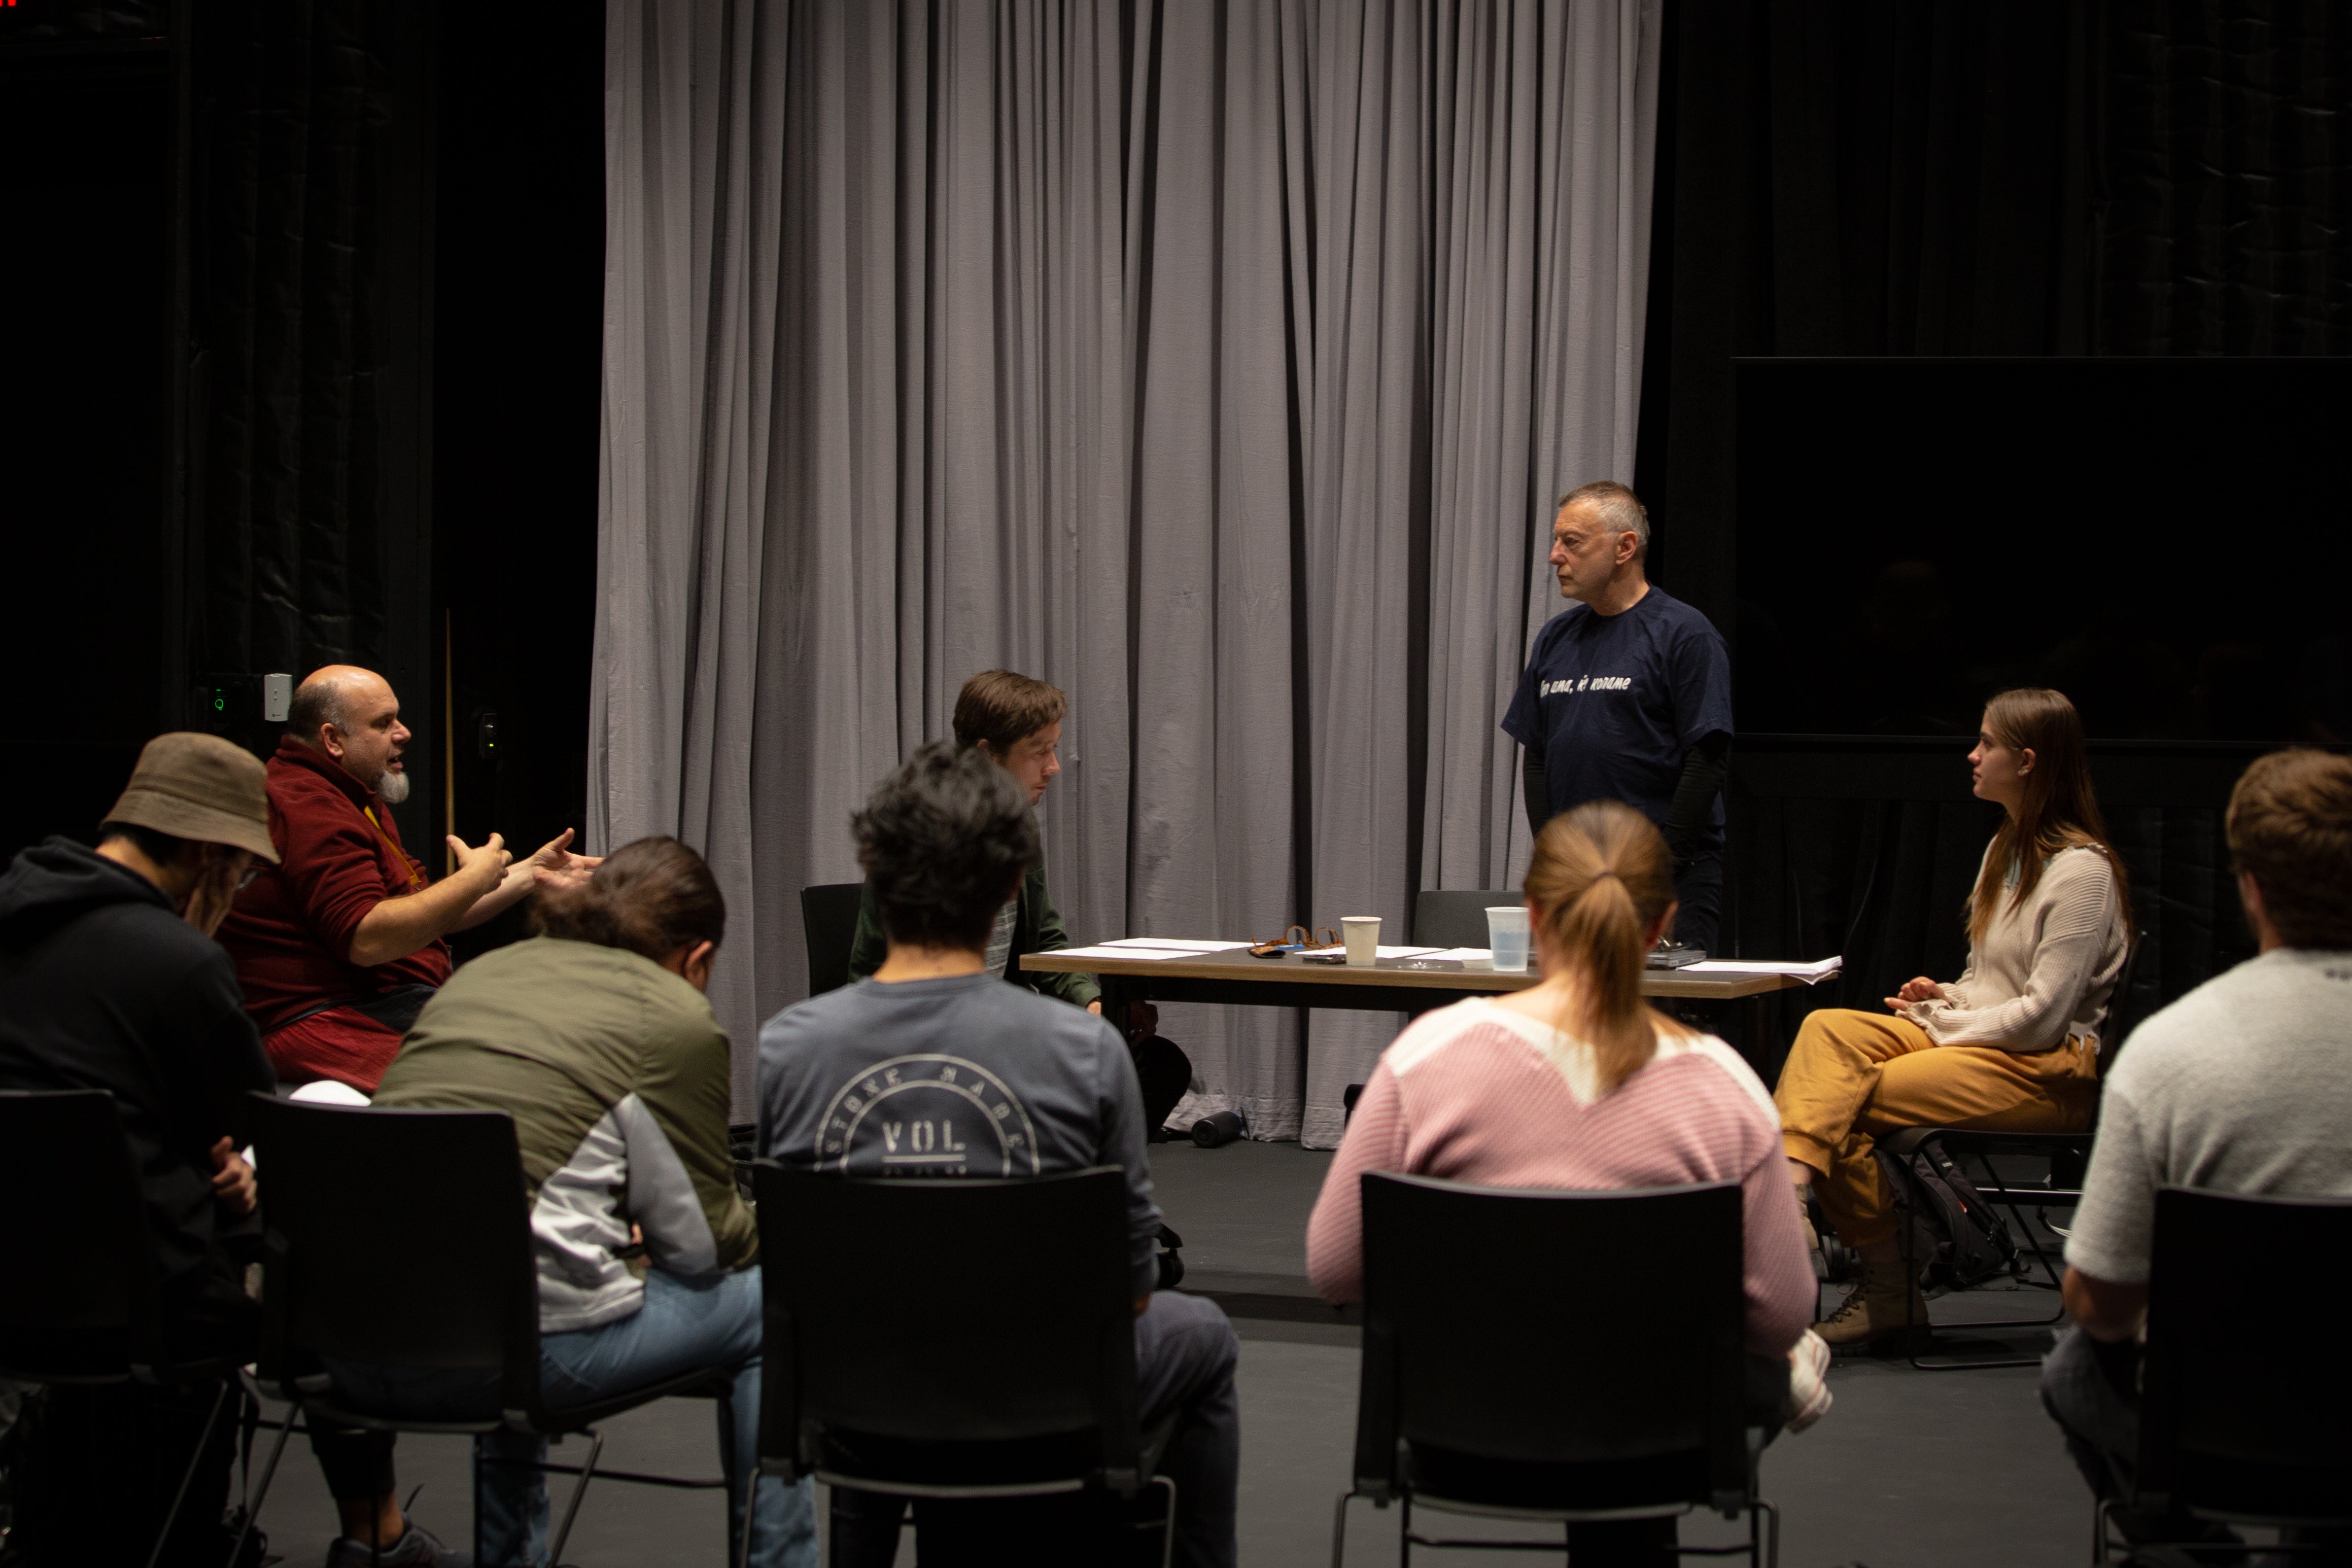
(1811,974)
(1132,955)
(1383,952)
(1174,945)
(1466,954)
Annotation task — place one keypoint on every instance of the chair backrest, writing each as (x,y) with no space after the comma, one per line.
(79,1282)
(1494,1328)
(2124,1010)
(397,1238)
(957,1312)
(2246,1423)
(1455,917)
(829,928)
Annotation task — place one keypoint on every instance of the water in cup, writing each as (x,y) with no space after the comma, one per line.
(1507,935)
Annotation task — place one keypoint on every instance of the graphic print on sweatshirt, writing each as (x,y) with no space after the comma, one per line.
(927,1115)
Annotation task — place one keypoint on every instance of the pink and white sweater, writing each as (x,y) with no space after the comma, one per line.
(1477,1093)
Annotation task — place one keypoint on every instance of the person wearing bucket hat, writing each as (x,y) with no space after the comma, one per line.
(109,979)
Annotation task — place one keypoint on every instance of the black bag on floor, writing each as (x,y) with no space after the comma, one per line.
(1959,1238)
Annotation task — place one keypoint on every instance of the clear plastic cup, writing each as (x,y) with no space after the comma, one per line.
(1362,932)
(1507,935)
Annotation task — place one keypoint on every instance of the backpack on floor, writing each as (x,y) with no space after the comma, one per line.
(1959,1238)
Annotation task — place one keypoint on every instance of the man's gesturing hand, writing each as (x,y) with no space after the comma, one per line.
(486,865)
(232,1178)
(556,866)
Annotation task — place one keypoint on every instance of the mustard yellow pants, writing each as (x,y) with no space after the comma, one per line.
(1853,1076)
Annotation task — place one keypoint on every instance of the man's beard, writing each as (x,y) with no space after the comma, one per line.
(392,786)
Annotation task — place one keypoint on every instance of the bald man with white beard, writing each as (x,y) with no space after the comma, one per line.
(340,946)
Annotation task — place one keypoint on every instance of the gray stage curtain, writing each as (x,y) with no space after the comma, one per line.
(1216,363)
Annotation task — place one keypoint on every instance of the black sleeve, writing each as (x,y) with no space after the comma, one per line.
(1534,792)
(220,1060)
(1703,767)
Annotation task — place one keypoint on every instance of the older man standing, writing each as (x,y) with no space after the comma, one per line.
(1627,696)
(340,946)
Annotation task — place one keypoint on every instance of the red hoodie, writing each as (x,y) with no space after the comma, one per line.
(291,932)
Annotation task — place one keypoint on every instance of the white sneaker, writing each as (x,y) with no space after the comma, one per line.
(1809,1394)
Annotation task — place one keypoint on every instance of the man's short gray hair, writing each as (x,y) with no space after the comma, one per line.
(1620,510)
(321,699)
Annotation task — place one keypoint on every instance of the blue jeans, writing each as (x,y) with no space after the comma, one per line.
(685,1323)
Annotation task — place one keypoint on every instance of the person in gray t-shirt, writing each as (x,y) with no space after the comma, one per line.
(931,1067)
(2244,1085)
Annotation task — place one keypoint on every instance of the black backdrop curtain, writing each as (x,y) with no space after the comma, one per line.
(306,428)
(286,499)
(1966,178)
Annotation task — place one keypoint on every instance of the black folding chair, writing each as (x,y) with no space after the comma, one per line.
(78,1296)
(829,930)
(1499,1381)
(2242,1427)
(1452,918)
(2067,1155)
(875,1378)
(443,1191)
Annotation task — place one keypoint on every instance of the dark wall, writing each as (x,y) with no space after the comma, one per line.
(1971,177)
(519,353)
(85,398)
(382,448)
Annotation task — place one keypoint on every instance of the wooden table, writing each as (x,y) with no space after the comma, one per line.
(1394,985)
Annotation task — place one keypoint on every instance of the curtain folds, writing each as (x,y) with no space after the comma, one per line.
(1216,362)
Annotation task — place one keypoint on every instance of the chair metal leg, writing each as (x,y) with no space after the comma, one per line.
(2003,1195)
(188,1476)
(1339,1530)
(571,1509)
(1404,1531)
(1771,1513)
(268,1472)
(1168,1532)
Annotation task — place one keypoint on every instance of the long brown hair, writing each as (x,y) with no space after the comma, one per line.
(1601,875)
(2059,810)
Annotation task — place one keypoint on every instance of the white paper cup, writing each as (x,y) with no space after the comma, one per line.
(1363,934)
(1507,935)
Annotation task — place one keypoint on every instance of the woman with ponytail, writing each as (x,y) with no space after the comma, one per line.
(1577,1084)
(2012,1045)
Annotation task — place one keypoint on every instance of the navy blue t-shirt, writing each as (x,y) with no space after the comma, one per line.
(1613,703)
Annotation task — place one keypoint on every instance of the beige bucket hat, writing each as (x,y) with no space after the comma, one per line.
(200,787)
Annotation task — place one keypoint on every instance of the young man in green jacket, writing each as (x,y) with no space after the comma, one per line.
(1016,723)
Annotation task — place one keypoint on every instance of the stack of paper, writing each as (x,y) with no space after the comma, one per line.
(1132,955)
(1811,974)
(1383,952)
(1175,944)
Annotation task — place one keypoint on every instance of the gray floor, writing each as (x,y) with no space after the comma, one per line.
(1910,1470)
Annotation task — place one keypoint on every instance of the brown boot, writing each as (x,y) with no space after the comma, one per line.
(1874,1313)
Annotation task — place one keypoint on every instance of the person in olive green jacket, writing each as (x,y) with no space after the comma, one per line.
(1017,723)
(596,1038)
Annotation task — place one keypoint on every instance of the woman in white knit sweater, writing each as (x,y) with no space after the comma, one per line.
(2011,1045)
